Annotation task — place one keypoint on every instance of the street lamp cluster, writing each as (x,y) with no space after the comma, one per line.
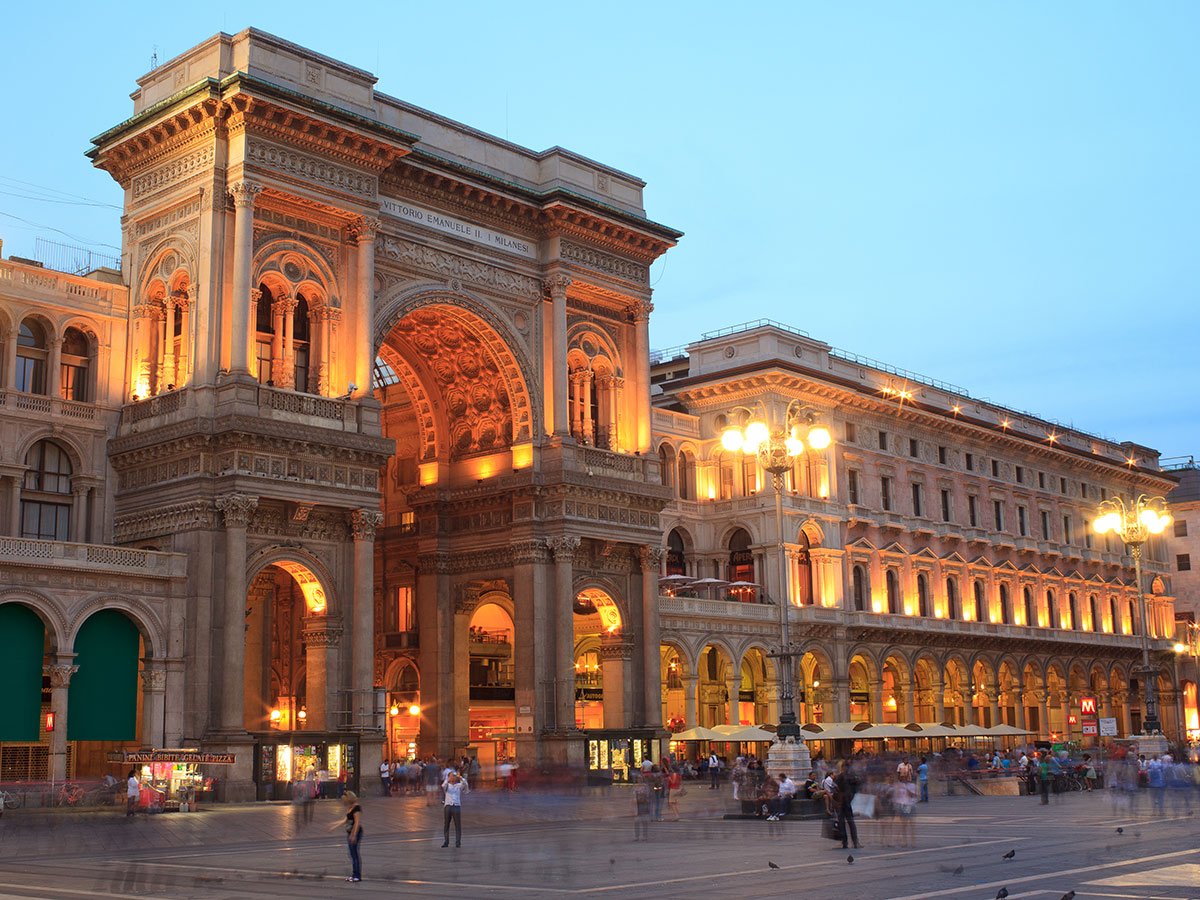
(777,450)
(1134,524)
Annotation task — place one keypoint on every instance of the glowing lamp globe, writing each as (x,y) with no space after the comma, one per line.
(732,439)
(795,446)
(757,432)
(414,710)
(819,438)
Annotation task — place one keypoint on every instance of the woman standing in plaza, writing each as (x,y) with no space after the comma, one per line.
(354,832)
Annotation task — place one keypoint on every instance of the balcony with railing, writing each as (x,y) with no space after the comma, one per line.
(42,406)
(702,607)
(93,557)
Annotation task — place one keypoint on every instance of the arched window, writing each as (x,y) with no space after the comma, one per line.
(1006,615)
(1113,615)
(675,560)
(44,513)
(922,595)
(893,592)
(1097,616)
(860,588)
(666,466)
(741,558)
(264,328)
(73,383)
(32,358)
(1072,611)
(1053,613)
(1134,624)
(952,606)
(1030,608)
(301,341)
(687,476)
(979,604)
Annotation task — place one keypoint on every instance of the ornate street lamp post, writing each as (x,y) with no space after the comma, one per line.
(1134,525)
(777,450)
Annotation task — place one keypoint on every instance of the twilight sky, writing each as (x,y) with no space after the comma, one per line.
(999,195)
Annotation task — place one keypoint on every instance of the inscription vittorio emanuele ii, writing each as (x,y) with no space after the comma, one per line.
(407,212)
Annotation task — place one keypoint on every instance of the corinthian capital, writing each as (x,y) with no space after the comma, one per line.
(244,193)
(556,285)
(363,523)
(639,311)
(563,548)
(650,557)
(364,228)
(237,509)
(60,675)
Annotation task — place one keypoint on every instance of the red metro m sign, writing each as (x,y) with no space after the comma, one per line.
(1087,706)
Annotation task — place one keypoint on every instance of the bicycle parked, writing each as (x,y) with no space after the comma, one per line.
(9,800)
(69,795)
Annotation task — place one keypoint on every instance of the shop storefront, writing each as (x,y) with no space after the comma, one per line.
(616,756)
(173,779)
(283,758)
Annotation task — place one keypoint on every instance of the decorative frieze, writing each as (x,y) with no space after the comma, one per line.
(292,223)
(604,262)
(310,168)
(170,217)
(447,265)
(195,514)
(237,509)
(525,552)
(173,172)
(563,548)
(364,522)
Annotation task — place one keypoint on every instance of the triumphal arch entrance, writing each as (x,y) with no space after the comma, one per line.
(388,390)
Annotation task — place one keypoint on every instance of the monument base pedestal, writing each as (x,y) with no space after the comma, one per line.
(789,756)
(1150,744)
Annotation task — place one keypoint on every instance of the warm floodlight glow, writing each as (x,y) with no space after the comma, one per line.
(794,446)
(276,715)
(394,711)
(757,432)
(1181,648)
(414,710)
(749,447)
(819,438)
(732,439)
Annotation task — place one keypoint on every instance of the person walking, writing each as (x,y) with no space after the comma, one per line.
(385,777)
(674,790)
(846,785)
(714,770)
(133,790)
(352,823)
(923,778)
(453,788)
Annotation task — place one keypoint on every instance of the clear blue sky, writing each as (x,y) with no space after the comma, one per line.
(1004,196)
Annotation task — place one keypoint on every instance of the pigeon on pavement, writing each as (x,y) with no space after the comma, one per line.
(1120,830)
(1002,893)
(1069,895)
(1010,854)
(958,870)
(772,865)
(850,859)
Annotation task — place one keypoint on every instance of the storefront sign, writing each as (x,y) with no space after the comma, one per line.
(1108,727)
(174,757)
(1090,729)
(417,215)
(1087,706)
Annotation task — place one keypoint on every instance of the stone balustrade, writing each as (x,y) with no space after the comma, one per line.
(99,557)
(42,406)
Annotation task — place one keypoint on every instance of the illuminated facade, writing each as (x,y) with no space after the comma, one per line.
(378,389)
(1183,558)
(942,564)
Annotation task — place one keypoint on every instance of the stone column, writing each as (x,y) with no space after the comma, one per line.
(587,380)
(968,707)
(639,315)
(154,693)
(993,695)
(14,504)
(733,686)
(236,509)
(650,558)
(277,351)
(616,656)
(564,550)
(321,636)
(54,363)
(10,358)
(325,315)
(60,672)
(840,691)
(876,701)
(557,284)
(363,523)
(691,684)
(576,381)
(1065,700)
(1043,715)
(288,373)
(78,525)
(183,364)
(939,700)
(906,710)
(364,350)
(241,332)
(169,305)
(1019,698)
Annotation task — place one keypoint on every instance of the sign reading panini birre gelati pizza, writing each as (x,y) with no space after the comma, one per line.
(174,757)
(407,212)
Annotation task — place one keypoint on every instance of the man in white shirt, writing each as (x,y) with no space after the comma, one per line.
(454,787)
(133,791)
(385,776)
(787,790)
(714,770)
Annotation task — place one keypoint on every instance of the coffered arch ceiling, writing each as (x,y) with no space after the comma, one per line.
(463,379)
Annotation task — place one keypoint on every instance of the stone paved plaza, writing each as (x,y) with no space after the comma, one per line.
(538,845)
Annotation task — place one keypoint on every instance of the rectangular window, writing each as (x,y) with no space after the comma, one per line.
(1103,493)
(1066,529)
(973,511)
(995,468)
(301,369)
(1183,562)
(726,479)
(406,615)
(1022,525)
(45,521)
(998,512)
(885,492)
(31,375)
(1020,474)
(970,458)
(945,506)
(918,509)
(883,440)
(851,433)
(914,448)
(1181,528)
(1045,525)
(1087,534)
(1042,480)
(852,486)
(264,361)
(1062,485)
(943,455)
(749,476)
(73,382)
(1083,490)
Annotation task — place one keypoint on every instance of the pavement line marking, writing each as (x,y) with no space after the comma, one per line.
(991,884)
(1126,896)
(23,887)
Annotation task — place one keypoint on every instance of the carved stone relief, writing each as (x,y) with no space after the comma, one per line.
(311,168)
